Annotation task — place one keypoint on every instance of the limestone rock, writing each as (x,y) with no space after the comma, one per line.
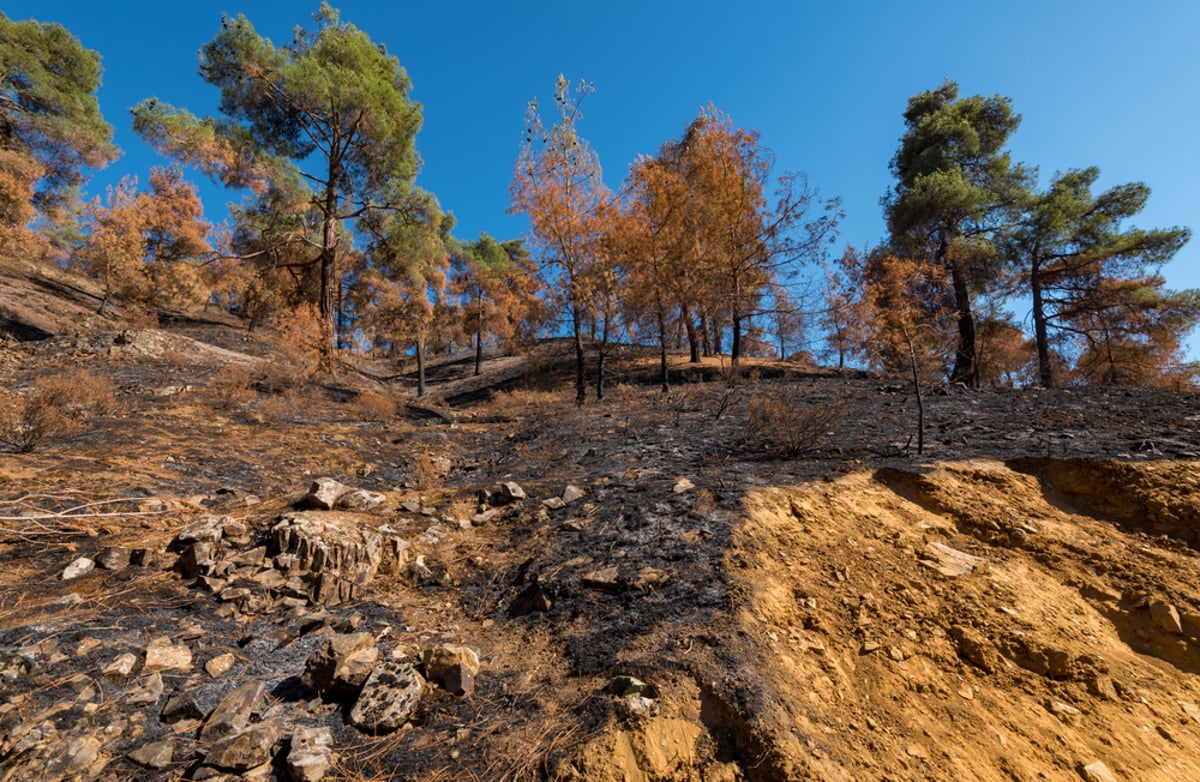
(682,485)
(605,579)
(219,665)
(148,693)
(323,494)
(341,552)
(1165,617)
(179,707)
(246,749)
(360,500)
(80,567)
(533,599)
(80,758)
(196,560)
(208,528)
(341,665)
(507,492)
(310,755)
(572,493)
(233,713)
(156,755)
(120,669)
(389,697)
(453,666)
(1096,771)
(975,649)
(948,561)
(114,557)
(163,655)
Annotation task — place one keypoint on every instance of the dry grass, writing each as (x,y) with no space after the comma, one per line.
(54,408)
(376,406)
(785,424)
(231,387)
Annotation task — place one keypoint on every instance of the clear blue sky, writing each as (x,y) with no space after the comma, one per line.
(1098,82)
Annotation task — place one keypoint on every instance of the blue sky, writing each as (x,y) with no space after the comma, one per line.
(1104,83)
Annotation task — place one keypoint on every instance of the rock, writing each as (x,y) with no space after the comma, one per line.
(219,665)
(114,557)
(341,665)
(1165,617)
(572,493)
(156,755)
(948,561)
(162,655)
(360,500)
(149,693)
(196,560)
(233,713)
(389,697)
(682,485)
(81,757)
(310,755)
(246,749)
(323,494)
(507,492)
(120,669)
(80,567)
(553,503)
(208,528)
(1064,711)
(650,578)
(453,666)
(1096,771)
(534,598)
(605,579)
(341,552)
(483,517)
(179,707)
(975,649)
(624,686)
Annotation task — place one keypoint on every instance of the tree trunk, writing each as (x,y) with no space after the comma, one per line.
(965,369)
(580,370)
(1041,337)
(479,336)
(663,378)
(916,376)
(692,337)
(735,350)
(329,292)
(421,363)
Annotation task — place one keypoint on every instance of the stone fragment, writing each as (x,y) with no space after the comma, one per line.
(181,706)
(323,494)
(148,693)
(623,686)
(1064,711)
(219,665)
(453,666)
(208,528)
(554,503)
(1097,771)
(245,749)
(233,713)
(310,754)
(163,655)
(948,561)
(196,560)
(682,485)
(389,697)
(605,579)
(483,517)
(341,665)
(975,649)
(114,557)
(572,493)
(507,492)
(81,757)
(360,500)
(120,669)
(156,755)
(1165,617)
(650,578)
(80,567)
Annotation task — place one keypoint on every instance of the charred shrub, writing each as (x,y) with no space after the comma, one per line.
(784,424)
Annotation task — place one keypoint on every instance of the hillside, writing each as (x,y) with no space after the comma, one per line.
(648,589)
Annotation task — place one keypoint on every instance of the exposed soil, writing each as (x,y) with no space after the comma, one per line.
(1019,603)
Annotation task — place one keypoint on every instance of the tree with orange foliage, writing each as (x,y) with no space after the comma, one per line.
(911,327)
(497,285)
(845,316)
(146,246)
(557,183)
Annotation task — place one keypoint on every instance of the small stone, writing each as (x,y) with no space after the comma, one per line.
(323,494)
(360,500)
(120,669)
(149,693)
(208,528)
(1064,711)
(1096,771)
(533,599)
(572,493)
(454,666)
(79,758)
(156,755)
(341,665)
(508,492)
(162,655)
(483,517)
(181,706)
(554,503)
(1165,617)
(682,485)
(196,560)
(143,557)
(605,579)
(80,567)
(310,755)
(219,665)
(624,686)
(389,697)
(650,578)
(252,747)
(233,713)
(114,557)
